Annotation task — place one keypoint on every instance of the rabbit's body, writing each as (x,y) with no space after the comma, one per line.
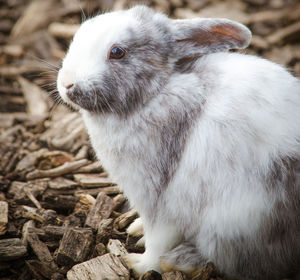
(206,151)
(221,175)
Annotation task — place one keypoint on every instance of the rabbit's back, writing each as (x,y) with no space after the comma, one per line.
(240,167)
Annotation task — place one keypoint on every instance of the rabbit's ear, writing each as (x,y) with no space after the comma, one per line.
(207,35)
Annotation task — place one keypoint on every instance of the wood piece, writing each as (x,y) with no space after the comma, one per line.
(92,180)
(85,203)
(99,249)
(40,270)
(26,229)
(36,187)
(115,247)
(206,272)
(59,202)
(126,218)
(12,50)
(54,232)
(35,97)
(52,159)
(75,246)
(94,167)
(118,201)
(151,275)
(36,15)
(61,183)
(58,171)
(32,198)
(104,230)
(31,213)
(3,216)
(284,35)
(13,71)
(100,210)
(27,162)
(107,190)
(41,251)
(83,153)
(63,30)
(104,267)
(12,249)
(173,275)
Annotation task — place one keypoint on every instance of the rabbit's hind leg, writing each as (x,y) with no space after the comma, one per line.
(185,257)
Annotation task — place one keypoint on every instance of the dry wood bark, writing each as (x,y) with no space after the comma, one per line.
(35,97)
(3,216)
(75,246)
(126,218)
(58,171)
(173,275)
(115,247)
(104,267)
(41,251)
(101,210)
(11,249)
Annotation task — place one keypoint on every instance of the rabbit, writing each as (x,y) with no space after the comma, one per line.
(204,142)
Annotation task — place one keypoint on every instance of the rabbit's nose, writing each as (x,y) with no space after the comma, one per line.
(67,78)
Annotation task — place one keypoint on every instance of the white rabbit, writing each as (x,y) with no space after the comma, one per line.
(204,143)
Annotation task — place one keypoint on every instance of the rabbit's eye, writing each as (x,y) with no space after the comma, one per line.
(116,53)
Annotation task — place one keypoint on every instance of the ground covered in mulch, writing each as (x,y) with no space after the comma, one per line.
(58,207)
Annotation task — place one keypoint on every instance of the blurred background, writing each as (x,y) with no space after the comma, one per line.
(49,177)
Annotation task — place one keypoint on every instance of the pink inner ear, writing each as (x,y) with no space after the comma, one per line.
(216,35)
(227,30)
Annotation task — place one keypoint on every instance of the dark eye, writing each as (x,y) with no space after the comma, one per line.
(117,53)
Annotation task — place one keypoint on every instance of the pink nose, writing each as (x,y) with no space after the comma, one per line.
(69,86)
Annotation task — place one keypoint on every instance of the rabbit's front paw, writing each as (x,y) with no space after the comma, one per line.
(136,228)
(141,263)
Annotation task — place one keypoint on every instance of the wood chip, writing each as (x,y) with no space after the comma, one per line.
(126,218)
(173,275)
(31,213)
(92,180)
(52,159)
(35,97)
(104,230)
(12,50)
(63,30)
(41,251)
(61,183)
(151,275)
(3,216)
(85,203)
(13,71)
(91,168)
(75,246)
(115,247)
(101,210)
(205,273)
(58,171)
(118,201)
(27,228)
(104,267)
(36,15)
(285,35)
(11,249)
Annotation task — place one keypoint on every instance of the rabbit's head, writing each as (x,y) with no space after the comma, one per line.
(120,60)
